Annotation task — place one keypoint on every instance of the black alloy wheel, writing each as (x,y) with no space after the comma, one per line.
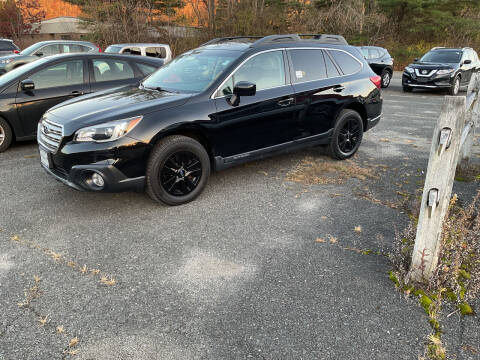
(177,170)
(181,173)
(347,135)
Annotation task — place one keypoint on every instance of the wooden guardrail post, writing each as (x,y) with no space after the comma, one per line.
(442,163)
(471,118)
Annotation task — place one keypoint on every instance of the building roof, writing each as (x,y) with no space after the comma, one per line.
(61,25)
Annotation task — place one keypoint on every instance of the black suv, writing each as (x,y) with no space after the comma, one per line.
(441,68)
(229,101)
(380,61)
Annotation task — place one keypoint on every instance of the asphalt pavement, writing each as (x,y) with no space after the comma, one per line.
(259,266)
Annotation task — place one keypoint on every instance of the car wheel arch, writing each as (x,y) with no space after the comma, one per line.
(359,108)
(14,135)
(193,132)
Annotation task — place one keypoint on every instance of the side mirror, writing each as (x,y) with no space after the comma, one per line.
(27,85)
(242,88)
(39,54)
(466,62)
(416,59)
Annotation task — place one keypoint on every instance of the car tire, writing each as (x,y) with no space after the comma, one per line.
(407,89)
(177,170)
(347,135)
(386,77)
(455,88)
(6,135)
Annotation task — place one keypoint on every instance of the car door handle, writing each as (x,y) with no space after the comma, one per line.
(77,93)
(338,88)
(286,102)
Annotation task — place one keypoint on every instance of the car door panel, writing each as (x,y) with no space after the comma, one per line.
(51,89)
(258,122)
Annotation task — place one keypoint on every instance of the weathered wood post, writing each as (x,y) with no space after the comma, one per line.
(438,187)
(452,142)
(471,119)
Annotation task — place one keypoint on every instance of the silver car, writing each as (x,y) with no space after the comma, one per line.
(161,51)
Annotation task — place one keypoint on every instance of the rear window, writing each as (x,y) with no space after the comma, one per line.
(132,51)
(347,63)
(7,46)
(308,65)
(158,52)
(113,49)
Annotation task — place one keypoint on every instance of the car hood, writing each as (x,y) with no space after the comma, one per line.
(432,66)
(112,104)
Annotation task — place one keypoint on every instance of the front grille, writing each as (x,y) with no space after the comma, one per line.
(49,134)
(429,72)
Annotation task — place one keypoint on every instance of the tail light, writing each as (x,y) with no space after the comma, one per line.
(16,52)
(99,48)
(376,80)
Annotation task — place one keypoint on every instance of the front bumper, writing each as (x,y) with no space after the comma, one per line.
(115,180)
(432,82)
(121,165)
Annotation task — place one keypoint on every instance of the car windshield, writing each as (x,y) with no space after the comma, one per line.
(29,50)
(11,75)
(192,72)
(442,57)
(113,49)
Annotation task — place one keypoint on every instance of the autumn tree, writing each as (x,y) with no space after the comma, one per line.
(18,17)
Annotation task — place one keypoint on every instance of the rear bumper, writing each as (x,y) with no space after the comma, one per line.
(373,122)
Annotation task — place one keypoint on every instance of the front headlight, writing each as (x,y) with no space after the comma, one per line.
(6,61)
(409,69)
(109,131)
(443,72)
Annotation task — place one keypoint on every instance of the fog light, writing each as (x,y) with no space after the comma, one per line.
(97,180)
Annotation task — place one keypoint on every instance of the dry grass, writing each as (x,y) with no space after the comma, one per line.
(323,170)
(468,172)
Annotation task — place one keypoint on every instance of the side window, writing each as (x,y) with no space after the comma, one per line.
(265,70)
(373,54)
(308,65)
(73,48)
(347,63)
(332,70)
(63,74)
(132,51)
(146,69)
(6,46)
(158,52)
(364,52)
(49,50)
(111,70)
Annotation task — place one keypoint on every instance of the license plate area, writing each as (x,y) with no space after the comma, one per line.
(45,158)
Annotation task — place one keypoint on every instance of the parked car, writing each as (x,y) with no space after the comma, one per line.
(161,51)
(441,68)
(380,61)
(44,48)
(8,47)
(229,101)
(27,92)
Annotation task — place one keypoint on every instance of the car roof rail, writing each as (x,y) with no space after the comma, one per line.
(230,38)
(438,47)
(275,39)
(327,38)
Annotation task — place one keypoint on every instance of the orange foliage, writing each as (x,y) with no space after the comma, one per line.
(55,8)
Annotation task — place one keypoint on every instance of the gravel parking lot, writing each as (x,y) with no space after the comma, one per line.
(269,263)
